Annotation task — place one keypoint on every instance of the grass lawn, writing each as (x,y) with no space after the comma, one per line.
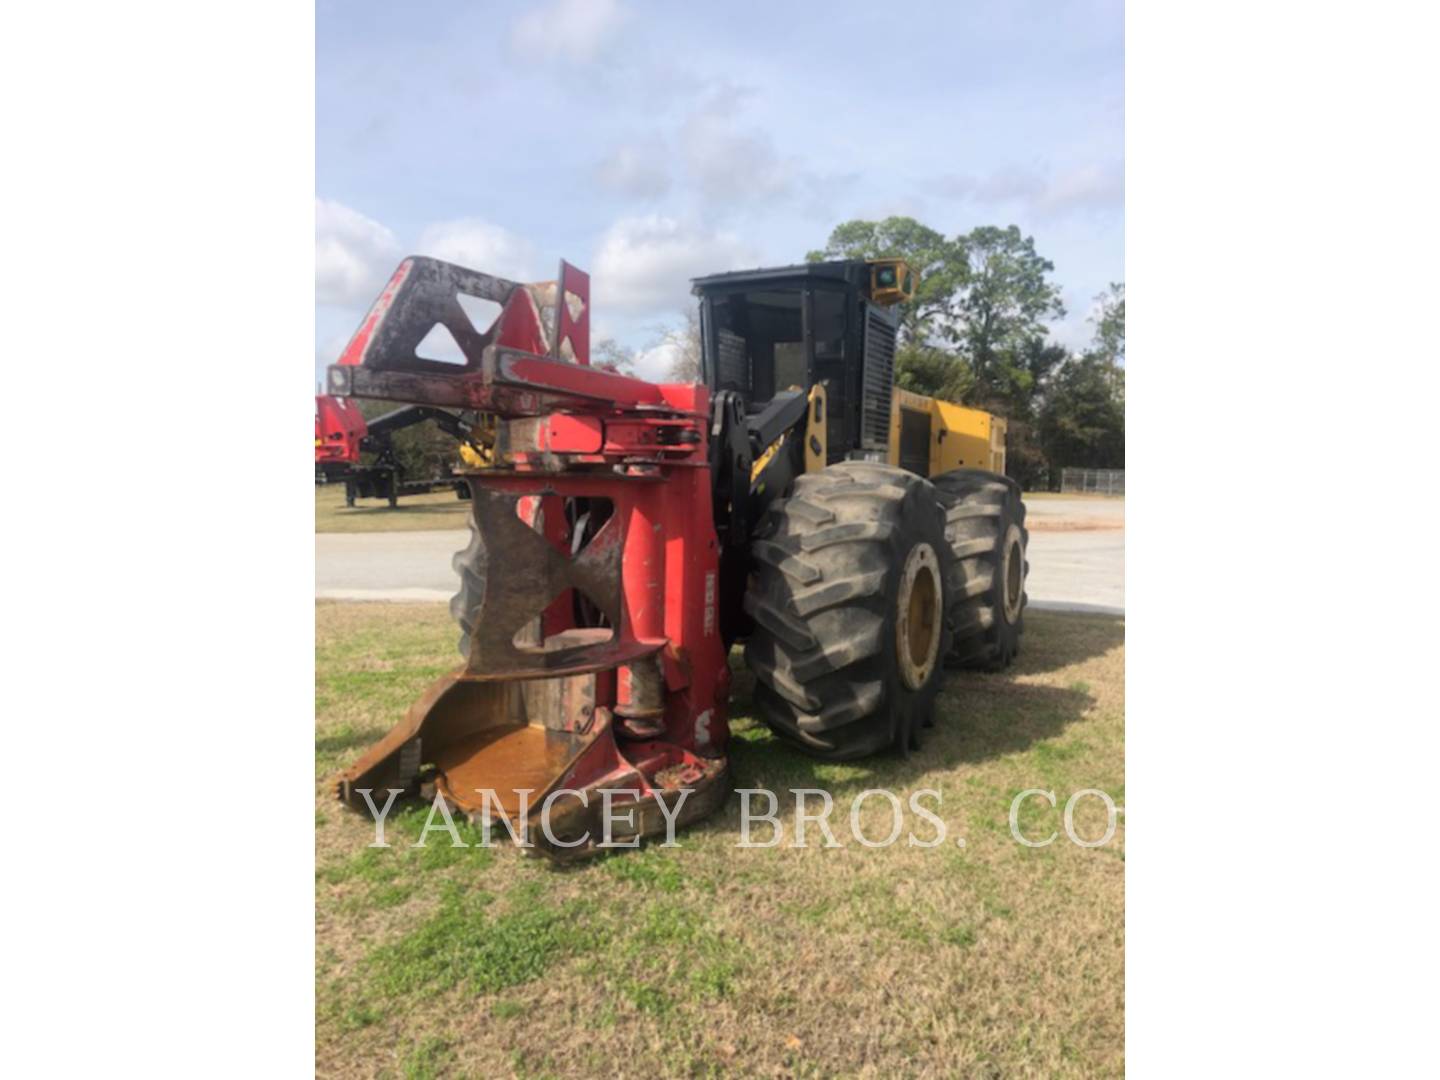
(442,510)
(707,959)
(437,510)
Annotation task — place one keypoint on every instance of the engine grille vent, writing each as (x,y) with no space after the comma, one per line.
(877,390)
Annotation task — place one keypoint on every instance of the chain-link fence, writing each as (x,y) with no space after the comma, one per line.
(1093,481)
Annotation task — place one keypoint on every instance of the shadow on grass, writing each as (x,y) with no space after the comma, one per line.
(459,509)
(978,716)
(1057,639)
(971,727)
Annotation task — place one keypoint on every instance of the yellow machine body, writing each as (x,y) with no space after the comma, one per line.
(929,436)
(892,281)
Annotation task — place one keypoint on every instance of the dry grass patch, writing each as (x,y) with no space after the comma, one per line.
(987,959)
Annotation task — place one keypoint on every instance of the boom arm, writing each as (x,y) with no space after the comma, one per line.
(382,427)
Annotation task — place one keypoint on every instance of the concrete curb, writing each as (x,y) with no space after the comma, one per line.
(410,595)
(1074,607)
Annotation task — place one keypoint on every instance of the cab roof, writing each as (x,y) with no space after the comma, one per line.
(845,271)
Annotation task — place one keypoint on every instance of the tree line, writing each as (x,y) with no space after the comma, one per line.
(977,332)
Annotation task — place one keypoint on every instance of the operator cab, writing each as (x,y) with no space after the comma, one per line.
(764,332)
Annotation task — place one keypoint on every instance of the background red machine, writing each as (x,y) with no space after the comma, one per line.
(342,434)
(339,430)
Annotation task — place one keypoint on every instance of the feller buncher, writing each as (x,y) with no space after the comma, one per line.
(342,434)
(855,537)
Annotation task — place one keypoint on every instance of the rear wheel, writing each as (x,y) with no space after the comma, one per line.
(985,526)
(848,601)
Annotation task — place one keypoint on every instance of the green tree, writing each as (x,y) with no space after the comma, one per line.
(1018,376)
(1109,343)
(422,450)
(926,369)
(938,263)
(1017,387)
(1083,421)
(1005,303)
(976,331)
(1109,322)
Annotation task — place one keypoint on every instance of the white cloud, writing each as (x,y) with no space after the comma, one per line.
(733,165)
(354,255)
(639,170)
(730,165)
(644,264)
(480,245)
(1075,331)
(573,30)
(656,362)
(1089,187)
(328,348)
(1084,187)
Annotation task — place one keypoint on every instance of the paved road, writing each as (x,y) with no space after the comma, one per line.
(1077,559)
(1078,571)
(387,565)
(1077,554)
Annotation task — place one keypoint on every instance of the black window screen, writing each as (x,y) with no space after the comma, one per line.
(828,312)
(760,340)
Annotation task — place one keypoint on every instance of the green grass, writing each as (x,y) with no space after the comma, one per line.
(443,510)
(435,510)
(430,1058)
(710,960)
(463,944)
(652,868)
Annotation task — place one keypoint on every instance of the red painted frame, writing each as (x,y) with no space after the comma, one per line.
(570,430)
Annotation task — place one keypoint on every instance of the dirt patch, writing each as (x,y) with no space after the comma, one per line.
(1043,524)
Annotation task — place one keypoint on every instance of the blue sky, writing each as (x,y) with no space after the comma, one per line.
(651,142)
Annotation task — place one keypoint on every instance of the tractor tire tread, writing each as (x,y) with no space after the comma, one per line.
(822,649)
(981,509)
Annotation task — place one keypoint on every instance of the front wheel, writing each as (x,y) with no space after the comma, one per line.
(848,601)
(985,525)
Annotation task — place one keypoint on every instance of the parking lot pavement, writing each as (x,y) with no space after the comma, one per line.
(1077,559)
(387,565)
(1077,554)
(1077,571)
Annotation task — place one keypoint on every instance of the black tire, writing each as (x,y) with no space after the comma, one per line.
(471,564)
(829,646)
(985,523)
